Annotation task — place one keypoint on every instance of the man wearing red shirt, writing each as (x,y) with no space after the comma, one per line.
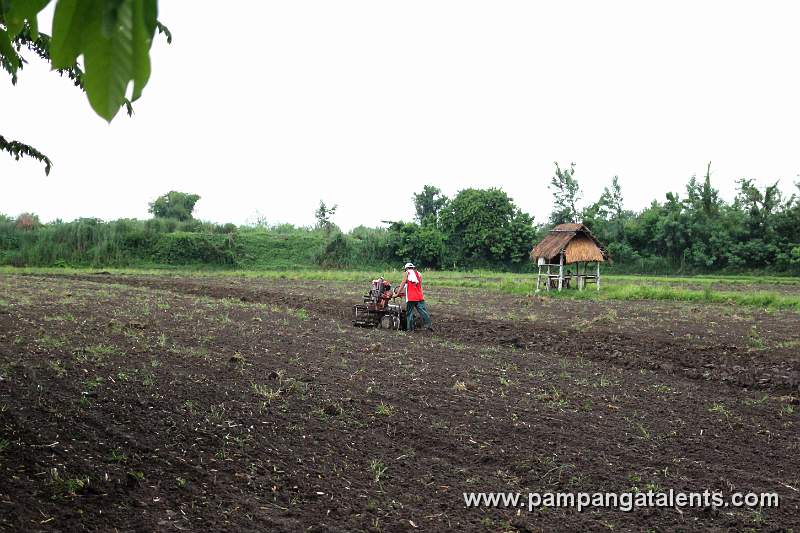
(412,282)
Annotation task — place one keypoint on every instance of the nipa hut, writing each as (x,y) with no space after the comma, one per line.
(569,244)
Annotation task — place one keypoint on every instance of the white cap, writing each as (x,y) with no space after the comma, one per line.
(409,265)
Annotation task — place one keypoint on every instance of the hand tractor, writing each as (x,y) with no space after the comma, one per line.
(377,311)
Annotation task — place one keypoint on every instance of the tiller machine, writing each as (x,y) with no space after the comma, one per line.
(377,311)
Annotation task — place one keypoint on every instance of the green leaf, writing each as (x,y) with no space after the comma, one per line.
(144,25)
(108,57)
(8,53)
(110,16)
(70,22)
(22,10)
(34,26)
(150,14)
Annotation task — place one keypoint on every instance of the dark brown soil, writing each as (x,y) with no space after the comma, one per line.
(154,403)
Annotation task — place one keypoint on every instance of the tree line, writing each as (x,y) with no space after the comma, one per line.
(692,231)
(697,230)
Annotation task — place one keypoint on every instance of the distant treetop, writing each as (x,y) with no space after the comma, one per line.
(175,205)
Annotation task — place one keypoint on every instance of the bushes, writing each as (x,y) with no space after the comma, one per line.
(82,242)
(287,248)
(130,242)
(335,253)
(124,242)
(363,247)
(9,236)
(370,246)
(183,248)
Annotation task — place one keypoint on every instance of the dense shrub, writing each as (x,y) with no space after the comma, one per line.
(183,248)
(335,253)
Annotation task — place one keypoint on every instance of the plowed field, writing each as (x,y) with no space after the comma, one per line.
(140,403)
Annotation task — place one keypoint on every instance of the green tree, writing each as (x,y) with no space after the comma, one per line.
(175,205)
(612,201)
(112,37)
(703,199)
(759,206)
(421,244)
(607,219)
(787,224)
(428,203)
(566,194)
(323,214)
(484,227)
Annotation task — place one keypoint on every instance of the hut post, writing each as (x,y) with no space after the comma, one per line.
(598,276)
(561,271)
(538,276)
(585,270)
(547,283)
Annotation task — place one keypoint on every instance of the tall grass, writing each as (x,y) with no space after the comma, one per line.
(92,242)
(157,242)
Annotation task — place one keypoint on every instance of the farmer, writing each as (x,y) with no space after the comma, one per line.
(412,283)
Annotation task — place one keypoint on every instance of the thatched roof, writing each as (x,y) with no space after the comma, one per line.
(575,240)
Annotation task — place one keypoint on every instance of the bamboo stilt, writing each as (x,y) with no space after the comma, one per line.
(547,283)
(597,281)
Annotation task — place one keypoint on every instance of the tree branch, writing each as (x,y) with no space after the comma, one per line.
(18,149)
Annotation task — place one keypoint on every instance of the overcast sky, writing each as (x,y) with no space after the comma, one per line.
(271,106)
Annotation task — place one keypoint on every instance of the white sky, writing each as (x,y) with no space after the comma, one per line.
(273,105)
